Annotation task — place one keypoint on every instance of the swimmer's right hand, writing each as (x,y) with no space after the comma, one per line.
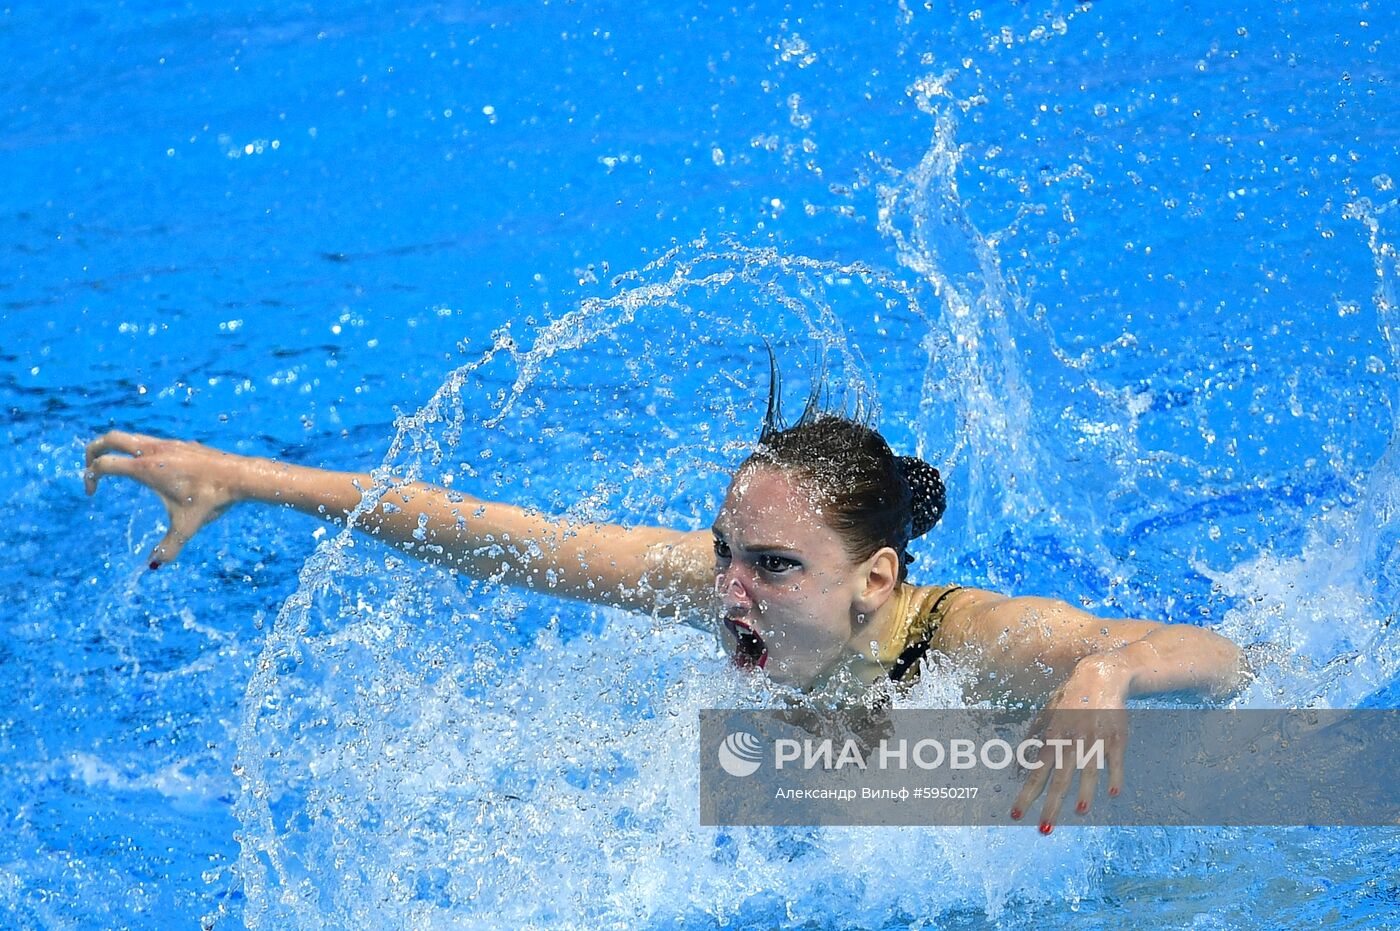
(196,483)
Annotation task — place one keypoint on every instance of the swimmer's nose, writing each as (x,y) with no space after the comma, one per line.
(731,589)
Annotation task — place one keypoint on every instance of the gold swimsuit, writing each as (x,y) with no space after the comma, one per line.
(919,630)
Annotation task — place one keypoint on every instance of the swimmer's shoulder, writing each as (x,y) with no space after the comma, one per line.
(952,612)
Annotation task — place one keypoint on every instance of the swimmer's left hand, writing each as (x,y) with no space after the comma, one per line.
(1088,707)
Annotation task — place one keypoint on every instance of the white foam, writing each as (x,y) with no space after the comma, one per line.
(170,781)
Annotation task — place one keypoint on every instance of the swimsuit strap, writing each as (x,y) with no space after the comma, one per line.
(914,653)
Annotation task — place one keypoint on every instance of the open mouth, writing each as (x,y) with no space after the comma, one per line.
(750,653)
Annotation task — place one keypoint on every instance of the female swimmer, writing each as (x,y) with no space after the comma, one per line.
(803,574)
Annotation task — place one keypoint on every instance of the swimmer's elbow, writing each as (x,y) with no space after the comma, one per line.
(680,577)
(1241,673)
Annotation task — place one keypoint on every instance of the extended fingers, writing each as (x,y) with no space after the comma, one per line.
(1115,764)
(1055,796)
(1116,743)
(1109,738)
(1030,791)
(119,441)
(99,462)
(1058,779)
(141,457)
(1088,782)
(107,465)
(1099,742)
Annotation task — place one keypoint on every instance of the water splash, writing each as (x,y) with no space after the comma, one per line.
(1036,469)
(419,752)
(1323,620)
(437,753)
(923,214)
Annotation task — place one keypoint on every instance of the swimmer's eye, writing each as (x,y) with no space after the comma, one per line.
(721,549)
(776,565)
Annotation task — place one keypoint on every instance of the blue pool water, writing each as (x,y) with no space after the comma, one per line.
(1126,276)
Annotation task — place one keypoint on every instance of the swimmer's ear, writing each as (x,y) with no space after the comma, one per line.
(880,578)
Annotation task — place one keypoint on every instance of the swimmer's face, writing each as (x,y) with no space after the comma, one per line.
(790,591)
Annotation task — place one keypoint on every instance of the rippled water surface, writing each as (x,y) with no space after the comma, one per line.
(1126,276)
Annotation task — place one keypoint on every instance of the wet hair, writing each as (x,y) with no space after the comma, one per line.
(870,496)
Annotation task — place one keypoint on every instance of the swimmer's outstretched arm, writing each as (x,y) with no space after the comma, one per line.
(638,568)
(1031,646)
(1028,646)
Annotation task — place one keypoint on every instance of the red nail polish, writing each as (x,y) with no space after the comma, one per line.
(1113,791)
(154,565)
(1046,827)
(1015,814)
(1082,807)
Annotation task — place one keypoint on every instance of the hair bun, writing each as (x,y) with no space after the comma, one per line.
(926,486)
